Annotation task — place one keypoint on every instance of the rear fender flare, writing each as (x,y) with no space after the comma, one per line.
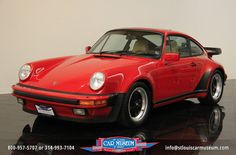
(205,79)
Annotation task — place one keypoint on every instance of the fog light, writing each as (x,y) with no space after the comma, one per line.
(79,111)
(19,100)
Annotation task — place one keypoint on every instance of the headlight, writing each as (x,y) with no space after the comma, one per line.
(97,80)
(24,72)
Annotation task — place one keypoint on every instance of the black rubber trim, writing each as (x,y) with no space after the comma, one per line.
(202,85)
(64,92)
(46,98)
(180,96)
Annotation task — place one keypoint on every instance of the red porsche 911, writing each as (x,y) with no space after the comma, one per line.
(125,74)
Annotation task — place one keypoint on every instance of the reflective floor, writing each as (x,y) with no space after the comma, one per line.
(184,123)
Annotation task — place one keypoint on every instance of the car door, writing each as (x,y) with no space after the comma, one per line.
(177,78)
(187,65)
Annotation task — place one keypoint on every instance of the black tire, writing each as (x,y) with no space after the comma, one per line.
(132,103)
(211,97)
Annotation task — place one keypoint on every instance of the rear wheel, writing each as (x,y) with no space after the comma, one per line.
(136,105)
(215,89)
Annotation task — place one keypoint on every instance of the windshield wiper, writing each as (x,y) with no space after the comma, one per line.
(122,52)
(147,55)
(115,52)
(102,52)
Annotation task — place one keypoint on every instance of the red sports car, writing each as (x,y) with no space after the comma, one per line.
(125,74)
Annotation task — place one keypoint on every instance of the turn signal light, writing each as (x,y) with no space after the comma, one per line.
(89,102)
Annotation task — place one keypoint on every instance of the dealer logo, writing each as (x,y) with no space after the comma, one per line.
(119,145)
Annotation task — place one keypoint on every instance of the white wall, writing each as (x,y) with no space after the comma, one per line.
(38,29)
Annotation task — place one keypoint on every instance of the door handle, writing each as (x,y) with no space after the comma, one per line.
(193,64)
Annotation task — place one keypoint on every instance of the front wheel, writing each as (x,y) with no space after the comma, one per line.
(215,89)
(136,105)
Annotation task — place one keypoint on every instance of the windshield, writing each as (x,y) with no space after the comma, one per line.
(129,42)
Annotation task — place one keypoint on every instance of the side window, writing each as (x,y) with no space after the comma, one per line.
(195,49)
(178,44)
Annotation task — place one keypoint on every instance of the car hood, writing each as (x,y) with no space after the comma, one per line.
(72,74)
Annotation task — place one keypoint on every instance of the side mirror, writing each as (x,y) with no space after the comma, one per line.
(87,49)
(171,56)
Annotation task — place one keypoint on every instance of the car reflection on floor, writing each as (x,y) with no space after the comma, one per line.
(182,123)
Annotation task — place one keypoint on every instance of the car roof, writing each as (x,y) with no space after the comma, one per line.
(163,31)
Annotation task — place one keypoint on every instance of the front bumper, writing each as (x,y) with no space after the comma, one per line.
(63,103)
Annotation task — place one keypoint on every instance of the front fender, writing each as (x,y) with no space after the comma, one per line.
(121,82)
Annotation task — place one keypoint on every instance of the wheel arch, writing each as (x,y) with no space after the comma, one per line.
(205,79)
(220,69)
(148,84)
